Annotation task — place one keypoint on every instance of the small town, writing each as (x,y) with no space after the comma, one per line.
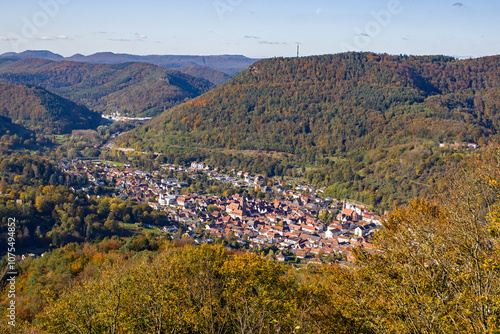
(228,166)
(298,223)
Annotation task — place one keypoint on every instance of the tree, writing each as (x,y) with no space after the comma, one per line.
(3,186)
(211,208)
(257,299)
(159,305)
(92,306)
(43,205)
(19,179)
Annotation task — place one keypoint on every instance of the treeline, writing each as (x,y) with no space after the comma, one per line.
(58,269)
(19,170)
(52,216)
(387,178)
(264,164)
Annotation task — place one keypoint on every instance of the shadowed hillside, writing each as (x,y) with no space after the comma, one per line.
(44,112)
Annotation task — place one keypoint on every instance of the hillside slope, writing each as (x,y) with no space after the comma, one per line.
(131,88)
(43,112)
(216,77)
(355,114)
(332,104)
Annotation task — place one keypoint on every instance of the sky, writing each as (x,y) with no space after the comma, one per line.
(254,28)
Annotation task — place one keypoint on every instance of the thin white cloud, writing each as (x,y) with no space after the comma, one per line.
(52,38)
(272,43)
(139,36)
(7,39)
(251,37)
(119,39)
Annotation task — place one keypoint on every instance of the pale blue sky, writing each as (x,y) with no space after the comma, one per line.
(254,28)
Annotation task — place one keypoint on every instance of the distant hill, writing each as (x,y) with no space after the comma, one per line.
(132,88)
(41,54)
(41,111)
(368,124)
(216,77)
(228,64)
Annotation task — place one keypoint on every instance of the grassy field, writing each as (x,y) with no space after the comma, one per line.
(114,163)
(141,230)
(61,138)
(272,154)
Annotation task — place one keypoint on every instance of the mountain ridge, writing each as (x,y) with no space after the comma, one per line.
(131,88)
(228,64)
(390,86)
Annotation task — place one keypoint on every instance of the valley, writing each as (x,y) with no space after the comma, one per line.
(322,194)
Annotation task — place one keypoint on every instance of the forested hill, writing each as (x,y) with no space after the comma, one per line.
(39,110)
(357,106)
(331,104)
(131,88)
